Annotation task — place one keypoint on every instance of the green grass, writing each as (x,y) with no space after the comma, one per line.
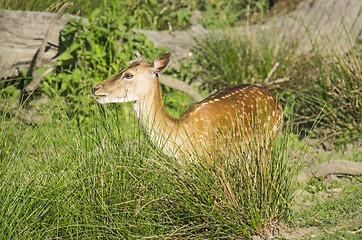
(101,179)
(57,182)
(152,14)
(335,94)
(87,172)
(335,215)
(234,59)
(79,7)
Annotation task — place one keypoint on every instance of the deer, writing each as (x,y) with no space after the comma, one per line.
(237,114)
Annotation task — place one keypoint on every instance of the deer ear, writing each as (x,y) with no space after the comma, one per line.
(161,62)
(139,57)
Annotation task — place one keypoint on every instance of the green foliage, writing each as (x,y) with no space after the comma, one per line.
(219,13)
(12,91)
(102,180)
(335,94)
(149,14)
(101,48)
(335,217)
(80,7)
(234,60)
(153,14)
(315,185)
(289,101)
(11,87)
(160,15)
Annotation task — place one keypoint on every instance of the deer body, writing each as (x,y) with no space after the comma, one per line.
(236,112)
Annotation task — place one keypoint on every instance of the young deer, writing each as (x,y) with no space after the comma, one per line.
(237,114)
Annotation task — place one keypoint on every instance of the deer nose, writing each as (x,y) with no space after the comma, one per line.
(95,88)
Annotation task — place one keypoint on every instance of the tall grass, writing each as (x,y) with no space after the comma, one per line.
(335,94)
(240,196)
(64,181)
(103,180)
(234,59)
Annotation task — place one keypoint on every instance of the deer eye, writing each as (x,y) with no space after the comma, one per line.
(128,76)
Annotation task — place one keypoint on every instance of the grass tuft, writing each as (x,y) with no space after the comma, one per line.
(235,59)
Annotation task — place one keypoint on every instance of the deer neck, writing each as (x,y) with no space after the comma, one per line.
(151,112)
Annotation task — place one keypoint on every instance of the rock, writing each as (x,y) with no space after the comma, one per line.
(336,167)
(21,34)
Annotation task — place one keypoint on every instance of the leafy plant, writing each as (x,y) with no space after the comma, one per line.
(92,52)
